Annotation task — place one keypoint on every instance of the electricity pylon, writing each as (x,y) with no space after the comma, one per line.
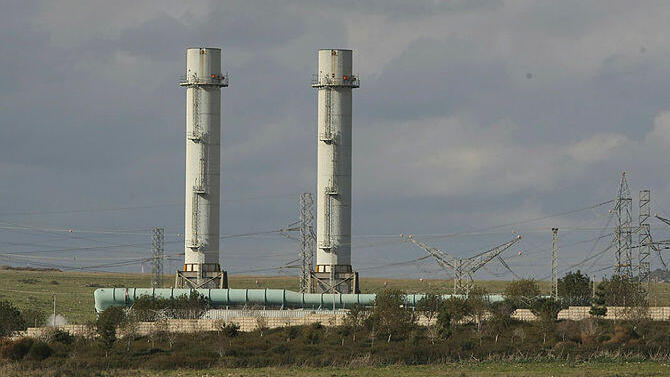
(554,263)
(623,233)
(463,268)
(157,256)
(307,242)
(644,242)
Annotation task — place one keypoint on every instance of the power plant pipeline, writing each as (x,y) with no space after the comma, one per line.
(279,298)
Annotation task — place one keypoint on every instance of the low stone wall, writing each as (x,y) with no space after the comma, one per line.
(250,320)
(79,330)
(247,323)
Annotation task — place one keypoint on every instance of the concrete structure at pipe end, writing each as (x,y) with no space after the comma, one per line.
(203,81)
(335,80)
(266,298)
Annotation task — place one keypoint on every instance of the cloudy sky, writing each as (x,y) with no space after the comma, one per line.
(471,115)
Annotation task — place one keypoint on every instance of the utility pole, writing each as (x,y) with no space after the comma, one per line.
(623,236)
(554,263)
(53,320)
(157,251)
(307,243)
(644,242)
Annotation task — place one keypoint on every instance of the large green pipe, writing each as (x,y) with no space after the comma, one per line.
(106,297)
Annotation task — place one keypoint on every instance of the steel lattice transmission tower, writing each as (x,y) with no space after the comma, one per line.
(554,263)
(623,234)
(463,268)
(157,256)
(307,244)
(644,241)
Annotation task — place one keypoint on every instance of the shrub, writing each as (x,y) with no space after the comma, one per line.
(444,323)
(55,335)
(33,317)
(190,306)
(457,308)
(16,349)
(569,331)
(293,332)
(546,309)
(566,348)
(522,292)
(588,331)
(501,312)
(39,351)
(231,330)
(598,310)
(430,305)
(11,320)
(312,334)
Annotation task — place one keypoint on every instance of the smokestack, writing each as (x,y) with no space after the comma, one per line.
(334,81)
(203,81)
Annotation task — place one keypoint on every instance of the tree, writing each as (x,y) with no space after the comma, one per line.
(546,310)
(522,292)
(457,308)
(442,327)
(390,316)
(619,291)
(501,316)
(452,311)
(107,323)
(575,289)
(429,305)
(478,304)
(261,324)
(11,320)
(599,302)
(356,318)
(129,327)
(160,327)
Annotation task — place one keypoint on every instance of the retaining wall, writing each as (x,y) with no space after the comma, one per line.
(250,320)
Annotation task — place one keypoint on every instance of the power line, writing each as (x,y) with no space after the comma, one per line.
(558,214)
(133,207)
(396,264)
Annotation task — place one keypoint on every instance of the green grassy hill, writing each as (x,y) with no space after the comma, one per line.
(74,290)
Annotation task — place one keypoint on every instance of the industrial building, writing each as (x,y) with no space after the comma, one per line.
(334,81)
(203,81)
(331,282)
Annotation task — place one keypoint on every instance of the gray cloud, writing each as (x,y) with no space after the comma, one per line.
(470,114)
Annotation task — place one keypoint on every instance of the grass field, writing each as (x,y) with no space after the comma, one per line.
(74,290)
(469,369)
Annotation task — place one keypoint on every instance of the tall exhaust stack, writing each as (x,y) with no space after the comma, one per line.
(203,81)
(334,81)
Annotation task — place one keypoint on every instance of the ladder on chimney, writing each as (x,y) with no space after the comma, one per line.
(200,183)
